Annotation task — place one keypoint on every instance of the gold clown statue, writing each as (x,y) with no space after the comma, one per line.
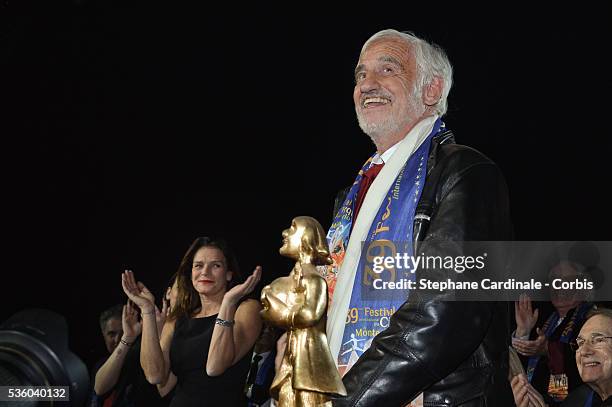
(298,303)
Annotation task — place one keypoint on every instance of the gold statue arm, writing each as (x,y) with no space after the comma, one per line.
(277,311)
(309,312)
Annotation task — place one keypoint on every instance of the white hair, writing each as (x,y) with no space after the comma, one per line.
(431,61)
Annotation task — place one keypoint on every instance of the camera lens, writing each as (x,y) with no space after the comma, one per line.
(34,352)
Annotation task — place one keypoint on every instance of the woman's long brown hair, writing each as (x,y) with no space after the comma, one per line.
(187,298)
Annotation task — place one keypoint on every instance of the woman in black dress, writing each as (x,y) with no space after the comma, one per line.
(207,339)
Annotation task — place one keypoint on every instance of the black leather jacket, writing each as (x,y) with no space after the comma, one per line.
(455,352)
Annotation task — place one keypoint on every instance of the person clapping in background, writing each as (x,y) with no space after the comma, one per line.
(209,335)
(121,379)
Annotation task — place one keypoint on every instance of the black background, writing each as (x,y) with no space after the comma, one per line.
(128,132)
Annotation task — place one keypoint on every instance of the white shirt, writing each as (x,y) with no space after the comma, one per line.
(384,157)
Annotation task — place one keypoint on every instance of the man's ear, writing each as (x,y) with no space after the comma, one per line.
(228,276)
(433,91)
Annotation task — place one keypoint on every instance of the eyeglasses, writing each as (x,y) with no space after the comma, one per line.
(595,341)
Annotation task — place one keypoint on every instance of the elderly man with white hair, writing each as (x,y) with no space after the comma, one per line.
(397,346)
(593,347)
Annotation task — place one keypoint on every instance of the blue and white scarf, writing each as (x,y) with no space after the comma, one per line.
(390,233)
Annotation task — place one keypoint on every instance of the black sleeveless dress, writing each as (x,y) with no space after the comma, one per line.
(188,355)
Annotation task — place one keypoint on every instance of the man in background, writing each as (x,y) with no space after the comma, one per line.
(112,331)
